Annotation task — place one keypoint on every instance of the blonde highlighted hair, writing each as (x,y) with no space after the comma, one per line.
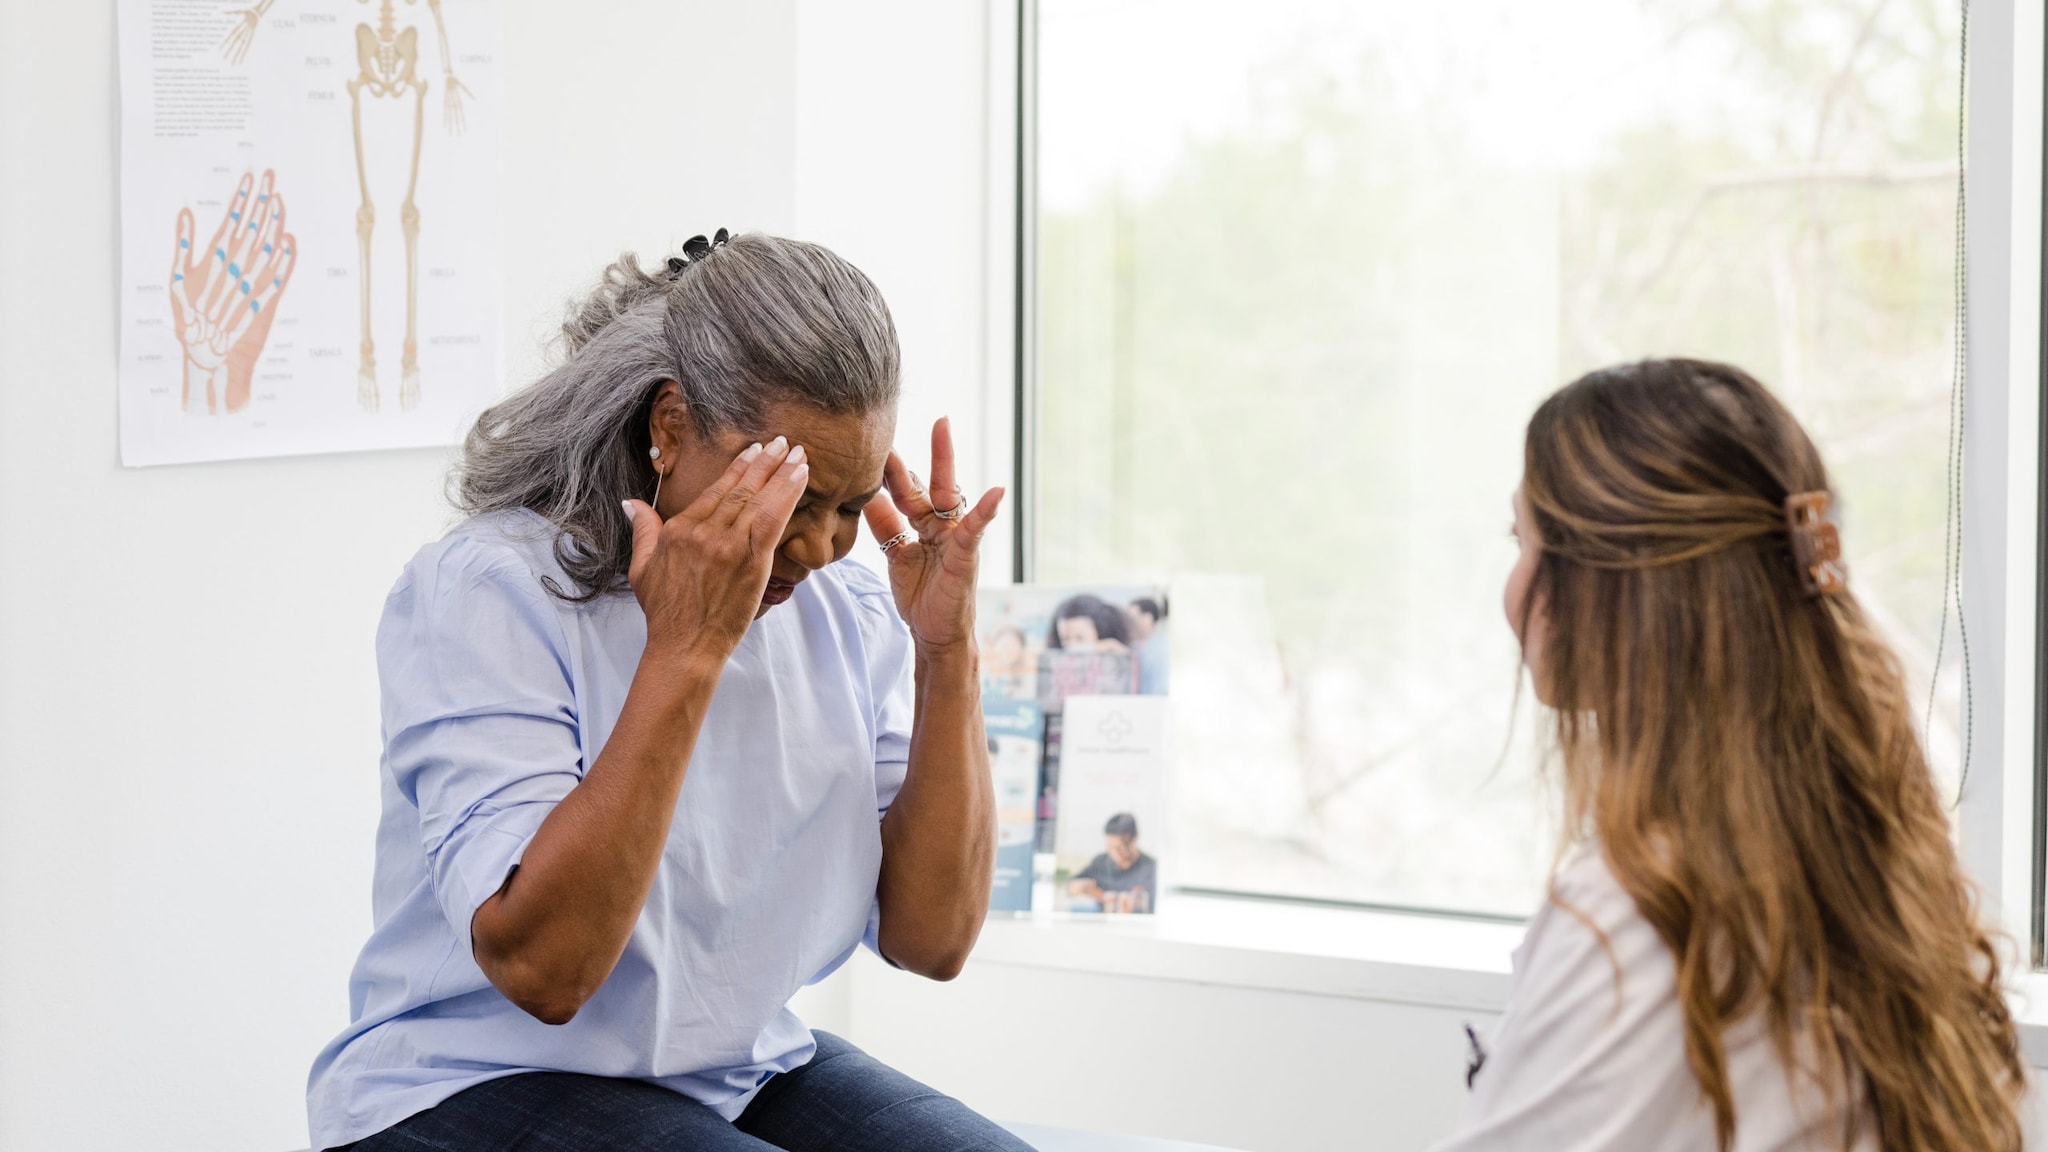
(1743,750)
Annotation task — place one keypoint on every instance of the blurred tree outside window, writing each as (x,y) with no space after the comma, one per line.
(1305,268)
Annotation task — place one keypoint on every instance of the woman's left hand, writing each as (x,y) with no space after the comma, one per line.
(933,569)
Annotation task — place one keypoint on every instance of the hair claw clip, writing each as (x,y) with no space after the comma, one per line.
(1816,544)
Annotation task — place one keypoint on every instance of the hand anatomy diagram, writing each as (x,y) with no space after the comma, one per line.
(224,294)
(387,67)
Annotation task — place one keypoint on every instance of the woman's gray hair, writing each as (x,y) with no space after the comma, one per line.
(754,321)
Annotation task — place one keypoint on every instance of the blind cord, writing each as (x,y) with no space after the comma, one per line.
(1952,558)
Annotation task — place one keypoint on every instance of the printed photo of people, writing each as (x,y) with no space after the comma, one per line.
(1113,799)
(1043,644)
(1121,878)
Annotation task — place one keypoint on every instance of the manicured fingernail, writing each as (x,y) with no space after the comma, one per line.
(801,476)
(778,444)
(796,454)
(750,453)
(628,506)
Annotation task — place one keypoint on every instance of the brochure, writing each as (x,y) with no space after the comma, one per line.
(1047,644)
(1113,801)
(1015,749)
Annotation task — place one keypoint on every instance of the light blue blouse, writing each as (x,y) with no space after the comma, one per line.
(497,697)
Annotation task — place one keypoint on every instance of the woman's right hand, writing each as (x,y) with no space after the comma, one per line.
(700,575)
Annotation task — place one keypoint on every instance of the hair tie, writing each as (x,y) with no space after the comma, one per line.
(698,247)
(1816,544)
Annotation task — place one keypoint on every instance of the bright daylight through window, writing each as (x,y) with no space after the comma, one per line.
(1305,268)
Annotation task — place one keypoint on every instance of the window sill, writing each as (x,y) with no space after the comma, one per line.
(2030,1007)
(1353,954)
(1359,954)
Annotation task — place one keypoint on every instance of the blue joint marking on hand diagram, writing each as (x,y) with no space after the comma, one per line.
(266,248)
(177,275)
(184,243)
(245,287)
(220,254)
(255,305)
(277,281)
(235,216)
(235,270)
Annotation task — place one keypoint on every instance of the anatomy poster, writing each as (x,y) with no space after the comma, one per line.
(310,225)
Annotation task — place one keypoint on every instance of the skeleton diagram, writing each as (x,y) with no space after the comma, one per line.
(387,67)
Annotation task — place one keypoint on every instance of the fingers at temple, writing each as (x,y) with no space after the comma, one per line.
(646,528)
(737,497)
(883,519)
(707,501)
(770,512)
(945,482)
(216,250)
(903,489)
(983,514)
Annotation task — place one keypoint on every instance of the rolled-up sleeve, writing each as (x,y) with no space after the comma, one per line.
(480,724)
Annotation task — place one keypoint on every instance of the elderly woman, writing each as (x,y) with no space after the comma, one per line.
(648,774)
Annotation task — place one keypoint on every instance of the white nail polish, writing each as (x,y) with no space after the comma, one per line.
(750,453)
(627,506)
(796,454)
(778,444)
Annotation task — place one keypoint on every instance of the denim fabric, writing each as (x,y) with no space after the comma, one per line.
(843,1100)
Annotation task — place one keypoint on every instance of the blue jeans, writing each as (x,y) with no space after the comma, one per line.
(844,1100)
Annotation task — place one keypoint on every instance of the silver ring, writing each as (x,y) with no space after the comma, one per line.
(953,513)
(898,540)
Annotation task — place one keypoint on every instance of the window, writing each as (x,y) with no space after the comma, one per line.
(1303,268)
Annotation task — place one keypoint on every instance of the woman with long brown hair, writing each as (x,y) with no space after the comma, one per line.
(1758,935)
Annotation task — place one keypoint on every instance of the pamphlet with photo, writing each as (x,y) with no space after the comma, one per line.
(1113,801)
(1016,730)
(1040,648)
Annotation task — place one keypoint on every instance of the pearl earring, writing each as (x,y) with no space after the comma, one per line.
(654,453)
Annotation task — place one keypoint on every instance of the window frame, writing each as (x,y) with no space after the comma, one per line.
(2003,810)
(2001,823)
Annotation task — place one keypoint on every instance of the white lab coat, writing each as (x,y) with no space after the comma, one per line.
(1578,1064)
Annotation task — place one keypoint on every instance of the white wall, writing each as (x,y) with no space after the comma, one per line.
(1245,1068)
(188,726)
(892,145)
